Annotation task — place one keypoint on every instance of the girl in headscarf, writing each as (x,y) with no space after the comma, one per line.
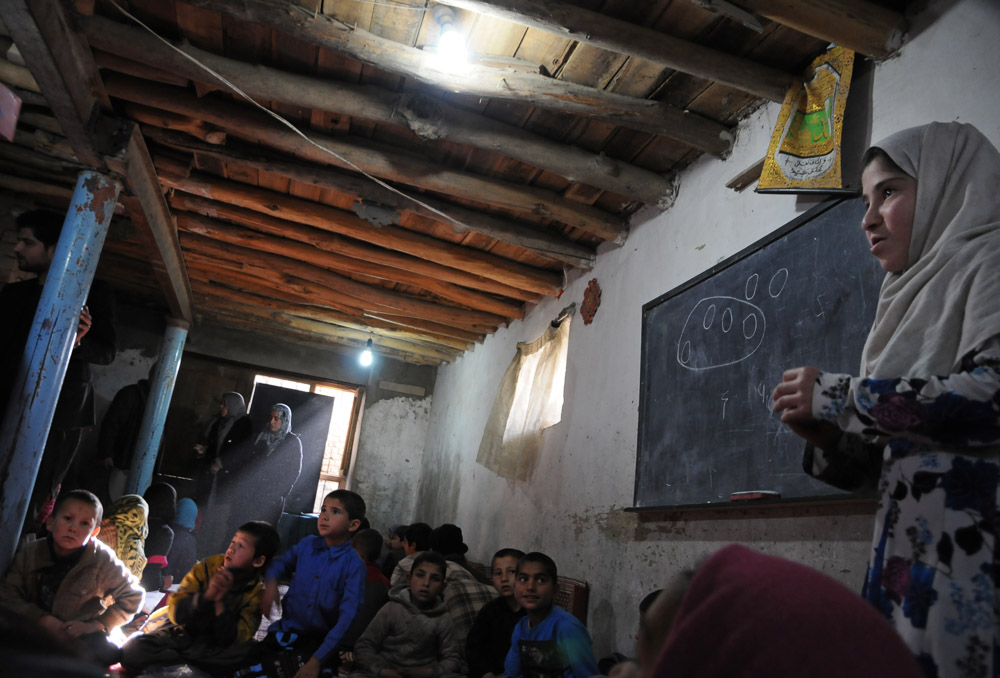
(220,444)
(162,500)
(270,473)
(920,423)
(183,552)
(124,530)
(746,615)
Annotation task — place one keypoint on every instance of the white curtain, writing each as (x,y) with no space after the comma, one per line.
(530,400)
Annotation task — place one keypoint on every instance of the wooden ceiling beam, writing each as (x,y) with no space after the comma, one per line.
(348,247)
(233,320)
(495,83)
(366,294)
(329,260)
(53,53)
(207,269)
(536,239)
(355,154)
(219,299)
(222,295)
(283,206)
(149,212)
(607,32)
(863,26)
(431,118)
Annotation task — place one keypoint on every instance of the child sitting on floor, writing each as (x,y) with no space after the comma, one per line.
(412,635)
(368,544)
(72,584)
(326,589)
(549,641)
(216,610)
(489,639)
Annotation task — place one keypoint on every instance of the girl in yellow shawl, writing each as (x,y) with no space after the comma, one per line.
(124,529)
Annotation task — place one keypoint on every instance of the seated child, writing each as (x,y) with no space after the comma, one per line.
(72,584)
(124,529)
(216,610)
(185,546)
(489,639)
(327,587)
(394,549)
(416,540)
(549,641)
(162,501)
(412,635)
(368,544)
(647,643)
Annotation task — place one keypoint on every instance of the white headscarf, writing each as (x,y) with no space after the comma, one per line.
(271,439)
(946,302)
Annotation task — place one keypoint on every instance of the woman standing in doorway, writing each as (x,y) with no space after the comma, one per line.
(921,421)
(273,466)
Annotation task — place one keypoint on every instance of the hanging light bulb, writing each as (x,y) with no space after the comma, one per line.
(451,44)
(366,356)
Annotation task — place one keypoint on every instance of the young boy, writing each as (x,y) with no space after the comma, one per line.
(549,641)
(72,584)
(326,589)
(412,635)
(489,639)
(216,610)
(416,540)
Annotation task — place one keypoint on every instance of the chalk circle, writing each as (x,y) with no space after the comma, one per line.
(749,326)
(684,355)
(752,280)
(709,316)
(778,282)
(727,320)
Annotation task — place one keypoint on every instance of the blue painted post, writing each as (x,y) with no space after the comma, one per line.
(35,391)
(161,388)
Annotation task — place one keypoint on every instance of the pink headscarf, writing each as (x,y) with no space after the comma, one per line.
(747,614)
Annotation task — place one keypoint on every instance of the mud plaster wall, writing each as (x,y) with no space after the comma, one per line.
(389,459)
(572,508)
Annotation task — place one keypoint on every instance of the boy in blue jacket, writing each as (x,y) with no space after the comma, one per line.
(326,590)
(549,642)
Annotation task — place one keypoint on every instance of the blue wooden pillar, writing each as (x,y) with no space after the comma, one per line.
(161,388)
(35,391)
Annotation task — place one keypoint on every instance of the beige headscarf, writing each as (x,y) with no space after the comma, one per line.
(946,302)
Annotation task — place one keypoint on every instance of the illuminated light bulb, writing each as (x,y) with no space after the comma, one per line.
(366,355)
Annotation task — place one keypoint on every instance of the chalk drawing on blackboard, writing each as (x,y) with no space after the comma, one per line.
(777,284)
(702,348)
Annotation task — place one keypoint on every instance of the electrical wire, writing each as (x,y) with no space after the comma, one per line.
(285,122)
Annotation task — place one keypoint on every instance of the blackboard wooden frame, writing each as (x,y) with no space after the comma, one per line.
(836,219)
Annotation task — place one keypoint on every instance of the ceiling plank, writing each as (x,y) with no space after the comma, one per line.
(346,247)
(366,294)
(74,104)
(623,37)
(429,117)
(390,237)
(330,260)
(539,240)
(356,154)
(498,83)
(865,27)
(149,211)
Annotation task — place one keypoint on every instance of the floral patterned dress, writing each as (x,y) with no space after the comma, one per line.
(932,448)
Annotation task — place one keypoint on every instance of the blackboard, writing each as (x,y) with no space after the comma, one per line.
(714,348)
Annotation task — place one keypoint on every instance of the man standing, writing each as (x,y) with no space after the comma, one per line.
(37,235)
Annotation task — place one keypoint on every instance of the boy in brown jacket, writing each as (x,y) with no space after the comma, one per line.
(72,584)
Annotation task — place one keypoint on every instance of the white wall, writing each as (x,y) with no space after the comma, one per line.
(389,459)
(573,506)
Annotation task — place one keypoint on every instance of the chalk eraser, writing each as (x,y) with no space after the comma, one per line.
(750,495)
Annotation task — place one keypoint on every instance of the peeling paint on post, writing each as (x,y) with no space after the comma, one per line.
(161,389)
(35,391)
